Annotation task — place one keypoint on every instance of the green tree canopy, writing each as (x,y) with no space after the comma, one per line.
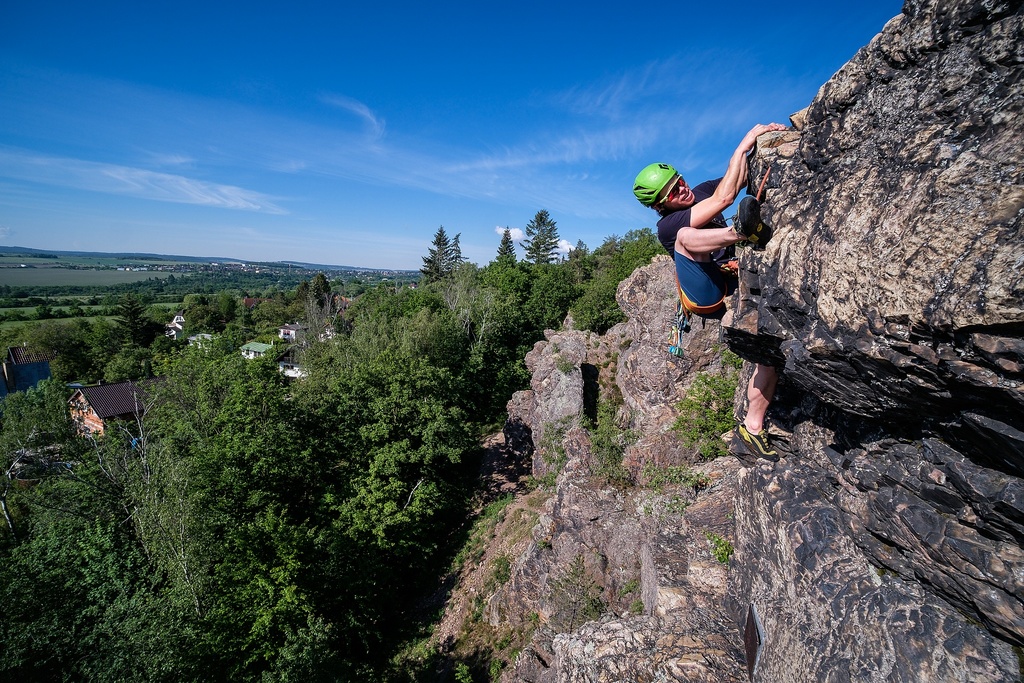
(438,261)
(135,325)
(542,239)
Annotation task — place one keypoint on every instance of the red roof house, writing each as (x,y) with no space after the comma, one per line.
(93,408)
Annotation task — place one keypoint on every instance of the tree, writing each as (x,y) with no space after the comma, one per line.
(136,326)
(580,263)
(35,430)
(596,309)
(227,306)
(437,262)
(551,294)
(576,597)
(320,289)
(542,238)
(455,257)
(130,363)
(507,249)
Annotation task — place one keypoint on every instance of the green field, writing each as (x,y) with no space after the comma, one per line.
(58,277)
(89,261)
(9,324)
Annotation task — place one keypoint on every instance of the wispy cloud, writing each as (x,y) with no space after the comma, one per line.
(126,180)
(170,159)
(375,124)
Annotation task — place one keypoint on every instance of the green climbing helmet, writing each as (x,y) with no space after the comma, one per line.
(650,181)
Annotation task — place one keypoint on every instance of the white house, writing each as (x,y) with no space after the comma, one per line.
(176,328)
(289,365)
(255,349)
(291,332)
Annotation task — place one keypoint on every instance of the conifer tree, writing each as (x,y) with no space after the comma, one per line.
(455,257)
(580,263)
(437,262)
(132,319)
(542,238)
(576,597)
(507,249)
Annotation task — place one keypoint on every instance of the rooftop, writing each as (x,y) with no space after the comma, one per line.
(111,400)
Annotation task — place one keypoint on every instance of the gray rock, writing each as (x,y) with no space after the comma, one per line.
(887,545)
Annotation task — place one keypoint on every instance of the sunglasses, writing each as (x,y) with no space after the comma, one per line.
(674,188)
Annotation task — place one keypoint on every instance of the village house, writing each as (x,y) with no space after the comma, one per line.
(291,332)
(252,302)
(289,365)
(24,368)
(94,408)
(255,349)
(202,340)
(176,328)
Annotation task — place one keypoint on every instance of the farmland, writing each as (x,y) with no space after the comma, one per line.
(50,276)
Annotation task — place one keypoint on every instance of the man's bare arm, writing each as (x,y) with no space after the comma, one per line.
(734,180)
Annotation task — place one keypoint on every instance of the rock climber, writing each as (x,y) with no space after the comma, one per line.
(691,229)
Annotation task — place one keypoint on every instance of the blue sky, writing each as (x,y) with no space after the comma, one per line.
(346,133)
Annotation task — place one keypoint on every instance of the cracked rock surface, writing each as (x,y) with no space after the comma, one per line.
(887,544)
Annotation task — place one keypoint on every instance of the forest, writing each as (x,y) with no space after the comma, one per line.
(249,527)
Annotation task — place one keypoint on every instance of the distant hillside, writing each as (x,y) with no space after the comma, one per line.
(26,251)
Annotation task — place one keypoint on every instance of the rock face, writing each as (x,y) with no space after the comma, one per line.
(887,545)
(646,551)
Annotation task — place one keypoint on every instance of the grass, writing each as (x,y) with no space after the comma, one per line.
(679,475)
(11,324)
(67,277)
(609,443)
(480,534)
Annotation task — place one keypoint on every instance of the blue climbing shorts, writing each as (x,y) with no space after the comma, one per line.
(703,285)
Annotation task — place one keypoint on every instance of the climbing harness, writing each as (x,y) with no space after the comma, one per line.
(686,309)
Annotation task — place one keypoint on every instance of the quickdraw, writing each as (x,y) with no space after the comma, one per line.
(680,326)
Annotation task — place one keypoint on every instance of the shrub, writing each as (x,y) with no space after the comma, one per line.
(721,548)
(706,412)
(576,598)
(608,445)
(680,475)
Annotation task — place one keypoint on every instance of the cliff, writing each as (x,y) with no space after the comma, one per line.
(893,297)
(886,543)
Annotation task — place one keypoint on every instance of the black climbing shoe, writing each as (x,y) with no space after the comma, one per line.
(757,443)
(748,223)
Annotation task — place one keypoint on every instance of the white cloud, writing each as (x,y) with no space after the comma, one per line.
(564,247)
(516,234)
(5,232)
(126,180)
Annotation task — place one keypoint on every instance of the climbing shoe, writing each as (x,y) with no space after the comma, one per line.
(748,223)
(757,443)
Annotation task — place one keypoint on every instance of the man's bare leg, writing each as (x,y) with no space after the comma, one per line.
(760,391)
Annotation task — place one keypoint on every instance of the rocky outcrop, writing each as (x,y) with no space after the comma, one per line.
(887,544)
(646,551)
